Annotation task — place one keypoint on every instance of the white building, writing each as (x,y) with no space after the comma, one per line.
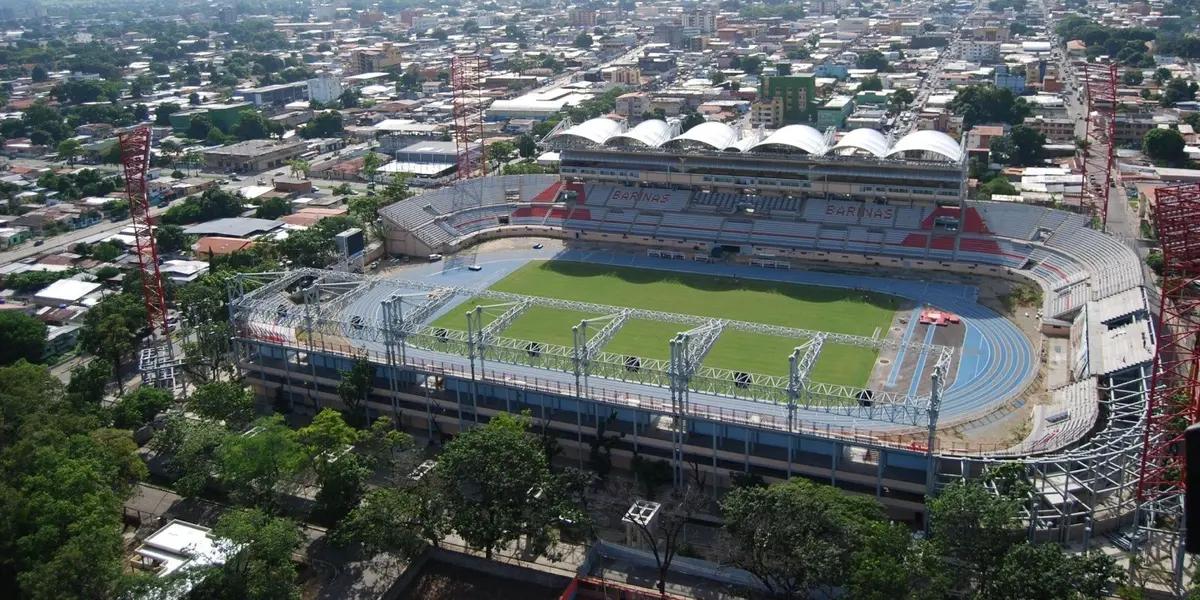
(183,549)
(65,291)
(324,89)
(976,51)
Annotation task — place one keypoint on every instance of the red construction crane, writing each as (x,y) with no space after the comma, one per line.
(1100,82)
(1174,400)
(135,159)
(466,75)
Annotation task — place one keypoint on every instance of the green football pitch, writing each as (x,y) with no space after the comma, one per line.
(805,307)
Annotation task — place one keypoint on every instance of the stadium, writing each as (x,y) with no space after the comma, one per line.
(793,304)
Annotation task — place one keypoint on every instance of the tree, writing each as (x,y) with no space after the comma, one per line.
(21,337)
(665,538)
(298,167)
(397,521)
(251,125)
(110,330)
(107,251)
(260,567)
(997,186)
(988,104)
(872,59)
(223,401)
(890,565)
(162,113)
(872,83)
(355,386)
(1132,77)
(194,99)
(207,352)
(349,99)
(198,126)
(1165,145)
(326,124)
(307,248)
(39,74)
(497,486)
(796,556)
(500,151)
(1001,150)
(88,383)
(1162,75)
(1178,90)
(170,238)
(63,478)
(253,467)
(273,208)
(900,99)
(69,150)
(371,164)
(1044,571)
(583,40)
(139,407)
(1030,145)
(527,146)
(974,527)
(691,120)
(1154,260)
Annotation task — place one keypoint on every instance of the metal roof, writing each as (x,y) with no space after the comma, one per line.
(795,137)
(866,140)
(239,227)
(596,131)
(652,133)
(928,141)
(714,135)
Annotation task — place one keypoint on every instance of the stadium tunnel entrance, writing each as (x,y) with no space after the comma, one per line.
(722,250)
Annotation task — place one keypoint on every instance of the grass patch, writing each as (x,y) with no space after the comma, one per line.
(542,324)
(805,307)
(647,339)
(768,355)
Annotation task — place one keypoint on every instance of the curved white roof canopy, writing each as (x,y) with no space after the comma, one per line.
(714,135)
(652,133)
(596,131)
(930,142)
(862,140)
(794,137)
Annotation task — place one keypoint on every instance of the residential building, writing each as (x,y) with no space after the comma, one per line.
(796,95)
(632,105)
(834,112)
(979,51)
(1013,80)
(384,57)
(702,20)
(1055,129)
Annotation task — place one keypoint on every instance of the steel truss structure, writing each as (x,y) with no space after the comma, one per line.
(135,161)
(1091,487)
(466,74)
(1174,395)
(1100,83)
(399,322)
(1082,491)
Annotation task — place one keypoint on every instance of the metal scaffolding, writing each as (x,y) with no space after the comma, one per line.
(466,74)
(1100,82)
(273,304)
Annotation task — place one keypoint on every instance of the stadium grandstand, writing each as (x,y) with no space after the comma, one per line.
(765,206)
